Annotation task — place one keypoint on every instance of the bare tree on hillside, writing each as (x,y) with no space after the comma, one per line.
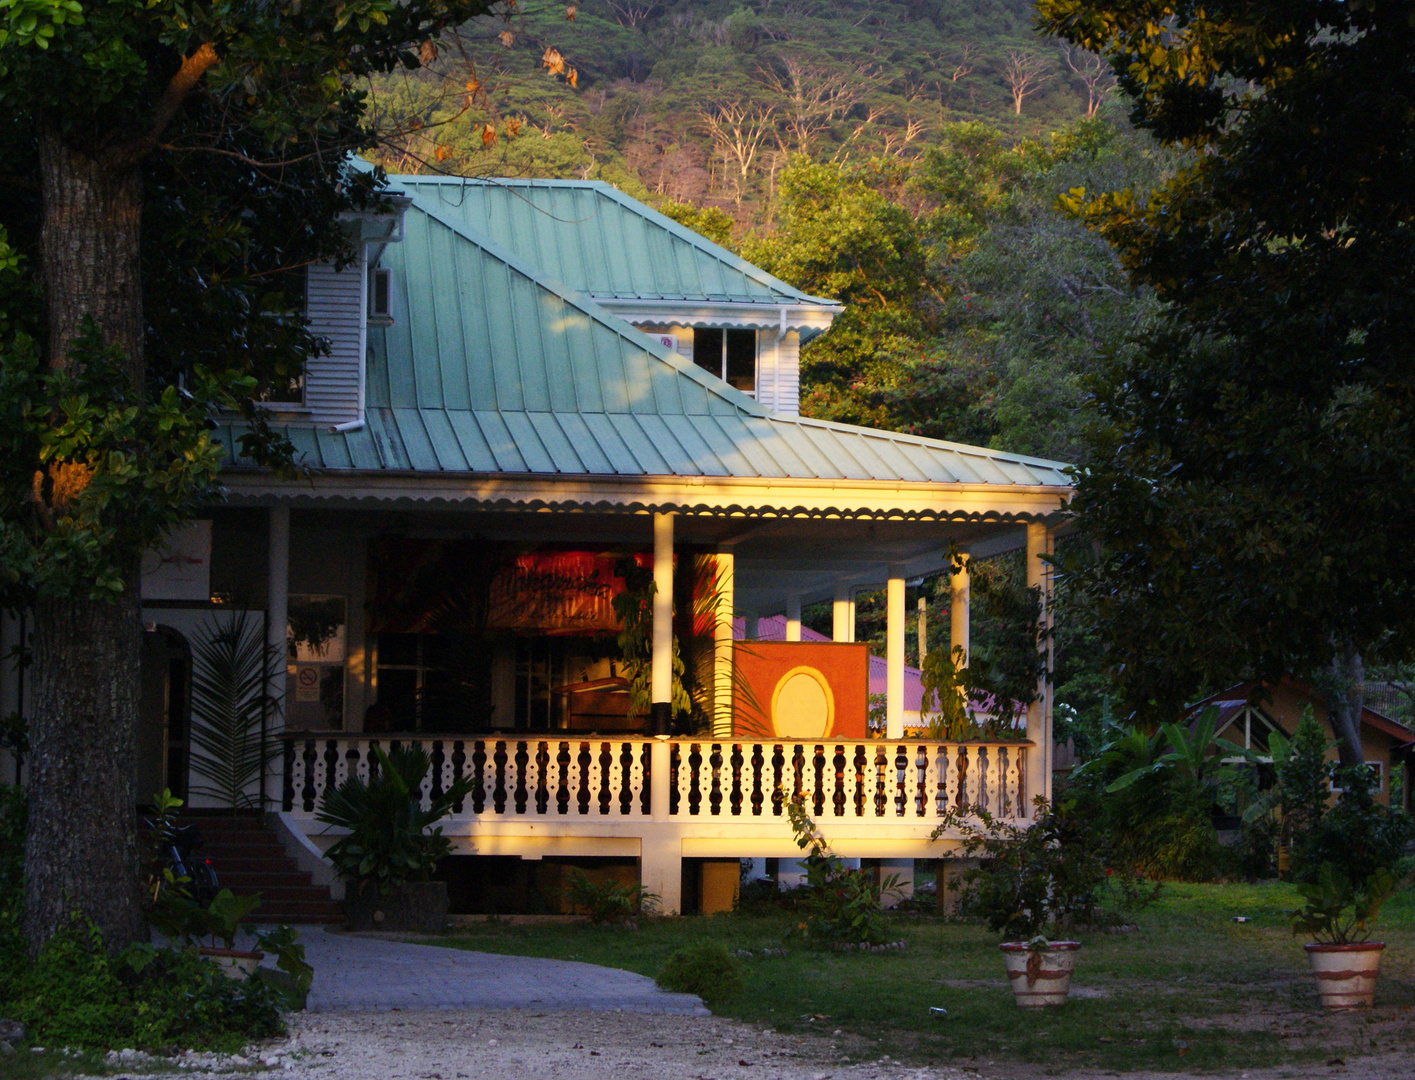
(1095,75)
(814,97)
(738,129)
(963,63)
(1024,73)
(896,141)
(629,13)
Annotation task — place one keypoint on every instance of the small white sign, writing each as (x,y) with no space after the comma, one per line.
(180,567)
(307,683)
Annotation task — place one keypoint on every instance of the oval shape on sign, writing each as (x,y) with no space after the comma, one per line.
(802,705)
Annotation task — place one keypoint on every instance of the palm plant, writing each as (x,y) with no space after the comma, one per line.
(1188,756)
(389,841)
(231,670)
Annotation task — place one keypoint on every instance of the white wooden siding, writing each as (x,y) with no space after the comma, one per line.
(779,372)
(335,309)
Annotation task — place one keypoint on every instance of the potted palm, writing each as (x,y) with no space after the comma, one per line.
(392,848)
(1337,916)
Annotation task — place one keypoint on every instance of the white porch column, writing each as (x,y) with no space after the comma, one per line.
(277,613)
(793,617)
(894,654)
(1039,546)
(722,648)
(960,596)
(841,622)
(661,671)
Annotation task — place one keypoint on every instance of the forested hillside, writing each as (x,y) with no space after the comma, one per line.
(703,101)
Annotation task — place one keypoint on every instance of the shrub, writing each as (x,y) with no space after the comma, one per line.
(841,905)
(606,902)
(1358,836)
(1034,879)
(706,969)
(77,994)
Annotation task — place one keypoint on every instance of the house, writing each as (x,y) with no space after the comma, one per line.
(1249,712)
(542,399)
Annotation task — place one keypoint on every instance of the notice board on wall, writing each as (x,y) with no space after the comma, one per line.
(801,689)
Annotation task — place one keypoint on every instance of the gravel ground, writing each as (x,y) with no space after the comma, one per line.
(494,1045)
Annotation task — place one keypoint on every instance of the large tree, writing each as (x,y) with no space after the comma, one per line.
(171,166)
(1249,480)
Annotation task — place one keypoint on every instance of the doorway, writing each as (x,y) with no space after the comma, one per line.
(164,714)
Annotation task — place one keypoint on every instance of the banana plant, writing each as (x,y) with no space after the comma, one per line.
(1191,754)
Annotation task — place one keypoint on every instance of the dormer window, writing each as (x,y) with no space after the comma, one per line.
(380,297)
(731,355)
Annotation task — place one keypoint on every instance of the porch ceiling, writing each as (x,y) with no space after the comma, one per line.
(774,558)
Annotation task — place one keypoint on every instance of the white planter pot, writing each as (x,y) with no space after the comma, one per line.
(1040,977)
(234,963)
(1346,974)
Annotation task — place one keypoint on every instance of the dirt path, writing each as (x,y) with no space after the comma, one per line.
(494,1045)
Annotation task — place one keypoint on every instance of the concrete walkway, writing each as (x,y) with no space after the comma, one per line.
(353,972)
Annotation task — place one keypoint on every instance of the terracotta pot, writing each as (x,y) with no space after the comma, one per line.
(1346,974)
(1040,977)
(234,963)
(418,907)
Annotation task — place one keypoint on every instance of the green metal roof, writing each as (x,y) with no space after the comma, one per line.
(591,238)
(489,368)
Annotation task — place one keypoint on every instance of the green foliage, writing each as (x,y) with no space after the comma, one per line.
(704,968)
(944,679)
(231,667)
(389,842)
(1338,912)
(710,221)
(77,994)
(842,906)
(1155,799)
(1358,835)
(1036,878)
(289,954)
(607,902)
(178,917)
(1266,411)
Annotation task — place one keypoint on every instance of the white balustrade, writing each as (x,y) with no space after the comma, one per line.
(870,781)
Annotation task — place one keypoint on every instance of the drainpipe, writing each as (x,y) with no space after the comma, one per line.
(347,426)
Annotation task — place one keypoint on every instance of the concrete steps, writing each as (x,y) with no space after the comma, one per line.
(248,859)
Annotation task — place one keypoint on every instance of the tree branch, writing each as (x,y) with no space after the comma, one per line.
(181,84)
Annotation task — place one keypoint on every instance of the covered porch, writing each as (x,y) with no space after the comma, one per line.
(552,786)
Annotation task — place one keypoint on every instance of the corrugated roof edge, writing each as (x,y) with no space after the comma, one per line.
(682,232)
(608,319)
(922,440)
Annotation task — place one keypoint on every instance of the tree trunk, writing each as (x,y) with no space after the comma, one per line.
(1346,699)
(81,852)
(90,249)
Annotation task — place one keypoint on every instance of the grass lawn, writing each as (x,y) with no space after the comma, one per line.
(1190,990)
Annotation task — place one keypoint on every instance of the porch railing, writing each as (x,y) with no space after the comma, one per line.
(913,781)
